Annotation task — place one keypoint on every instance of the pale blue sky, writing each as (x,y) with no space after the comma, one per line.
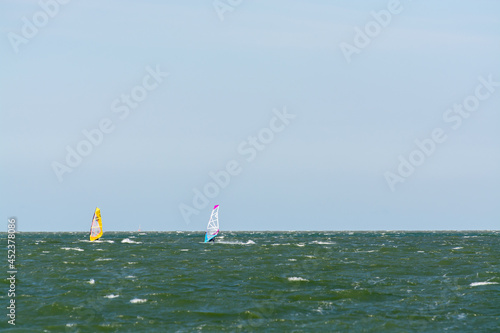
(324,171)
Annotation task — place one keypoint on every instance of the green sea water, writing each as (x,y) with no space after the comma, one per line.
(256,281)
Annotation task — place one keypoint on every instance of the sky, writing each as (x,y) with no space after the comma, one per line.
(291,115)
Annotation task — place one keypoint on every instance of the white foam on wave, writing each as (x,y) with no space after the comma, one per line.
(96,241)
(457,248)
(129,241)
(297,278)
(184,250)
(103,259)
(91,281)
(72,248)
(475,284)
(249,242)
(301,244)
(292,259)
(138,300)
(111,296)
(276,244)
(322,243)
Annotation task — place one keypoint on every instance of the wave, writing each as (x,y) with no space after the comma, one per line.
(138,300)
(129,241)
(322,243)
(249,242)
(297,278)
(97,241)
(72,248)
(475,284)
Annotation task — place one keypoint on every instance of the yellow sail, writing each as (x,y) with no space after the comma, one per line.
(96,227)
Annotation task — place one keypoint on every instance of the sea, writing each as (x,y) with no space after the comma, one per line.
(255,282)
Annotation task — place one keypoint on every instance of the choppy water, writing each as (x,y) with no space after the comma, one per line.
(260,281)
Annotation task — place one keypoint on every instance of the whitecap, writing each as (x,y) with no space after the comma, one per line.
(130,277)
(301,244)
(103,259)
(457,248)
(475,284)
(72,248)
(292,259)
(322,243)
(249,242)
(91,281)
(297,278)
(111,296)
(129,241)
(184,250)
(138,300)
